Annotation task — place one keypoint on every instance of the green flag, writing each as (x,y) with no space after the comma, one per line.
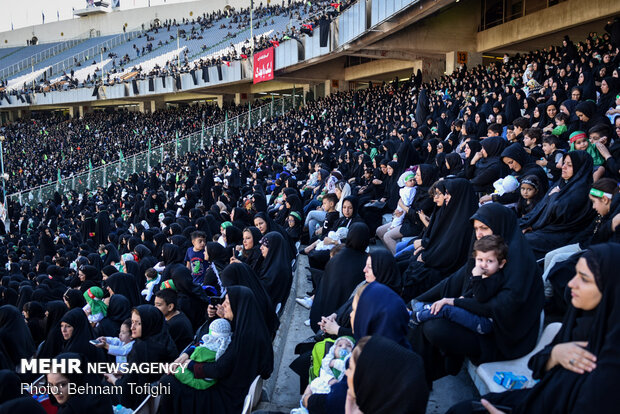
(87,127)
(90,165)
(45,157)
(59,177)
(286,38)
(120,156)
(149,145)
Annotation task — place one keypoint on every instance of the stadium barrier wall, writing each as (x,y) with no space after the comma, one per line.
(143,161)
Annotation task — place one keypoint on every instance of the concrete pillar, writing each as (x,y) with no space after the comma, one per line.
(84,109)
(328,87)
(243,98)
(143,107)
(157,104)
(305,91)
(220,101)
(23,114)
(73,111)
(12,115)
(455,59)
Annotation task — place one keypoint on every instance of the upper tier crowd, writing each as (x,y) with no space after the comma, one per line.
(494,191)
(304,18)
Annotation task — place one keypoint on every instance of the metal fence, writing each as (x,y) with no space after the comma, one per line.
(92,52)
(143,161)
(38,57)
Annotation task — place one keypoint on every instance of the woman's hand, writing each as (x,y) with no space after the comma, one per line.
(220,311)
(211,311)
(329,326)
(182,359)
(328,240)
(398,213)
(486,198)
(572,356)
(476,157)
(603,150)
(436,307)
(417,243)
(110,378)
(490,407)
(556,189)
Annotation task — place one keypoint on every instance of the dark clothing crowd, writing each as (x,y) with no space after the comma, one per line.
(443,221)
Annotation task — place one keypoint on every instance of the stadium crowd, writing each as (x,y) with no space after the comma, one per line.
(305,17)
(494,191)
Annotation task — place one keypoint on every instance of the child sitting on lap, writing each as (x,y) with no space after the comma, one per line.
(490,253)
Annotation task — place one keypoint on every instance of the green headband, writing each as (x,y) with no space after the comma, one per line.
(296,215)
(409,177)
(599,193)
(168,284)
(226,224)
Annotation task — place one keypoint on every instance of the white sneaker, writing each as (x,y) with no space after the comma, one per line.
(305,302)
(307,322)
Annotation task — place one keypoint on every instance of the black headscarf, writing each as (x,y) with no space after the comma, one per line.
(447,241)
(380,311)
(82,333)
(125,284)
(249,354)
(342,274)
(119,309)
(276,274)
(559,217)
(240,274)
(97,403)
(192,300)
(517,316)
(561,390)
(15,337)
(402,388)
(385,269)
(74,298)
(253,256)
(53,343)
(154,345)
(11,385)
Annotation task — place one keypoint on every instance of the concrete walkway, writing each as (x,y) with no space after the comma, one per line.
(281,391)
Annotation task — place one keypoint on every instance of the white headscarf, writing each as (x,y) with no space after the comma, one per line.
(218,338)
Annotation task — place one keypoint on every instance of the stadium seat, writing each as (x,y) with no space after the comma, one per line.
(253,397)
(150,405)
(482,376)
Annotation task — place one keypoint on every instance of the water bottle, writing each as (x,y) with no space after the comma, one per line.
(119,409)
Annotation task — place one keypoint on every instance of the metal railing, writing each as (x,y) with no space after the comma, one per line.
(92,52)
(38,57)
(143,161)
(84,55)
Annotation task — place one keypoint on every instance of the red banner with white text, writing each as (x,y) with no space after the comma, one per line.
(263,65)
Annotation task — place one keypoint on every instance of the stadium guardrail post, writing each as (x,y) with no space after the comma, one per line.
(134,163)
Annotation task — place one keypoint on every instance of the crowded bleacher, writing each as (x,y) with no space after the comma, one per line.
(448,224)
(166,47)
